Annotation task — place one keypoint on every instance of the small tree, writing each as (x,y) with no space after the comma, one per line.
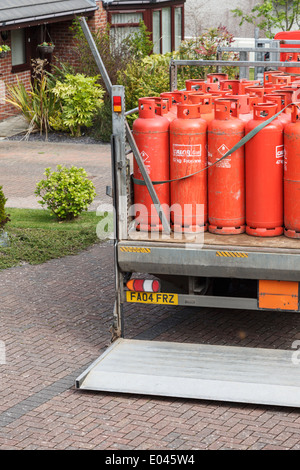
(272,15)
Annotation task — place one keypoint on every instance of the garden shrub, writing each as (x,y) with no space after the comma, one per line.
(205,47)
(146,77)
(39,105)
(4,217)
(66,192)
(80,97)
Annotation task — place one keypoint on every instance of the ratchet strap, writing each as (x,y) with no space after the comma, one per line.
(242,142)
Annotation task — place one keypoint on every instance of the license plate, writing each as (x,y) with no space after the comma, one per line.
(152,298)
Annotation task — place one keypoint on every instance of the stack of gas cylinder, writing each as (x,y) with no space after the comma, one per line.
(189,142)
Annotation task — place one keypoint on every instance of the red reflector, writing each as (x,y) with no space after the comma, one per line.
(117,104)
(141,285)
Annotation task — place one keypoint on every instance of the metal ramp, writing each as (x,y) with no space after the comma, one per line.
(197,371)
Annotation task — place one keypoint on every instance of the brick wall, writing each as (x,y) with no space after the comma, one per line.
(61,35)
(8,79)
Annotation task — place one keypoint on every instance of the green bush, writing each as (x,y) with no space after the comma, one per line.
(66,192)
(146,77)
(4,218)
(102,122)
(80,98)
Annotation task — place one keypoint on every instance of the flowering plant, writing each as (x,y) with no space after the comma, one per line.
(46,44)
(205,47)
(4,48)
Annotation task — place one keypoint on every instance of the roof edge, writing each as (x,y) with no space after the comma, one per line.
(47,17)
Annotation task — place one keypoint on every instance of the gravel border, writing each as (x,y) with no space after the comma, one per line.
(55,137)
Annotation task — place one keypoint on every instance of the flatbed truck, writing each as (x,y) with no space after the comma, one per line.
(194,271)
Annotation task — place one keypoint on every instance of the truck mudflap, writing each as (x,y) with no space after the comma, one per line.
(196,371)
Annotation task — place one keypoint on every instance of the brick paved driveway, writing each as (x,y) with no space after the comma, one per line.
(55,321)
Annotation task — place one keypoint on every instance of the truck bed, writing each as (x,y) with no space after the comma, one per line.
(222,241)
(238,256)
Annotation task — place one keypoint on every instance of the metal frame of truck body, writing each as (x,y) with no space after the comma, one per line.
(223,257)
(239,257)
(215,257)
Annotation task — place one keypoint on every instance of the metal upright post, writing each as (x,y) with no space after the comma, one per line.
(173,75)
(244,71)
(119,170)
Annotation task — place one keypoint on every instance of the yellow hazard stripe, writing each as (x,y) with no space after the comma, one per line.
(231,254)
(134,249)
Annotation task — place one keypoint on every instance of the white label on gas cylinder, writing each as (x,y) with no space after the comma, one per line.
(145,158)
(223,149)
(226,162)
(187,153)
(279,154)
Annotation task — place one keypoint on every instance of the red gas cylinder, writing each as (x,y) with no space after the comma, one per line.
(292,93)
(161,105)
(205,103)
(151,134)
(288,56)
(194,84)
(284,117)
(216,77)
(174,97)
(292,176)
(245,106)
(226,179)
(264,174)
(188,154)
(246,111)
(269,87)
(245,83)
(255,90)
(268,75)
(283,80)
(207,87)
(233,85)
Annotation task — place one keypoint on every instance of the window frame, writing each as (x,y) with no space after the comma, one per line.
(26,65)
(147,12)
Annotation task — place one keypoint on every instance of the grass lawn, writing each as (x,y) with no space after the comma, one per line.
(36,236)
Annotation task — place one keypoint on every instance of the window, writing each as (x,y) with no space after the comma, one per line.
(18,52)
(156,33)
(163,18)
(166,30)
(178,27)
(124,24)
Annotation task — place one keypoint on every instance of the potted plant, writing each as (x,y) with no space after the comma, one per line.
(4,50)
(46,47)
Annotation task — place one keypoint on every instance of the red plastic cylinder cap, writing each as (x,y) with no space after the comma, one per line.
(146,108)
(226,108)
(188,111)
(263,111)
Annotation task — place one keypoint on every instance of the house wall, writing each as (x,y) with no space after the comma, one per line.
(61,36)
(202,14)
(8,79)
